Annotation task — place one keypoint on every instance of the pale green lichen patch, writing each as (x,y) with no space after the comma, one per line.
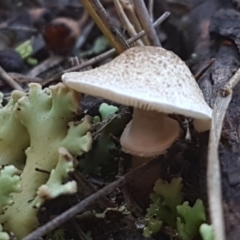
(14,138)
(9,183)
(3,235)
(47,115)
(54,186)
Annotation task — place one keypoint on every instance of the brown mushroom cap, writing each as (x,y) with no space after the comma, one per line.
(148,78)
(61,35)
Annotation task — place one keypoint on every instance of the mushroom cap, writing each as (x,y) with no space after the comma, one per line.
(149,78)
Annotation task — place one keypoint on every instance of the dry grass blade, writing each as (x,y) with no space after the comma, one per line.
(213,169)
(8,80)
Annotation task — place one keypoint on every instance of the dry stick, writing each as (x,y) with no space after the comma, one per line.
(146,22)
(84,184)
(23,78)
(131,13)
(25,29)
(213,169)
(8,80)
(105,24)
(125,21)
(51,62)
(84,35)
(87,202)
(104,55)
(150,9)
(198,75)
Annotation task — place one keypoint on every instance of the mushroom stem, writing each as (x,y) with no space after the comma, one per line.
(149,134)
(137,161)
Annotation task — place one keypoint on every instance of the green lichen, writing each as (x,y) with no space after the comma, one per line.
(100,158)
(9,183)
(107,110)
(190,219)
(47,116)
(14,137)
(3,235)
(168,208)
(206,232)
(165,199)
(54,186)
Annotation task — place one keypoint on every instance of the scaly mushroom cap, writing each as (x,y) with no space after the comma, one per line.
(149,78)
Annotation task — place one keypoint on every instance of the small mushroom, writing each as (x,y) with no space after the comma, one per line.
(61,35)
(156,83)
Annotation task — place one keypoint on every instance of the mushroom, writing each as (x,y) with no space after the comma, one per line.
(61,35)
(156,83)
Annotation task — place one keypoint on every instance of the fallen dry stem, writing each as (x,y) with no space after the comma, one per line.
(51,62)
(18,28)
(23,78)
(87,202)
(129,9)
(104,55)
(213,166)
(9,81)
(146,22)
(105,24)
(87,187)
(204,69)
(150,9)
(125,21)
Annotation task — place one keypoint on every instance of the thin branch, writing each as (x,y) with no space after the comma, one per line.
(125,21)
(104,22)
(198,75)
(104,55)
(150,9)
(8,80)
(87,202)
(146,22)
(23,78)
(87,187)
(213,169)
(50,62)
(19,28)
(84,35)
(129,9)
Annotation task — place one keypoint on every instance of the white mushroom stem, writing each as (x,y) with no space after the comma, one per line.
(148,135)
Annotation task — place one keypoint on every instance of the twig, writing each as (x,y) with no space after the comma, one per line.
(104,22)
(23,78)
(213,169)
(129,9)
(87,202)
(44,66)
(83,36)
(104,55)
(18,28)
(85,185)
(146,22)
(204,69)
(125,21)
(8,80)
(150,9)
